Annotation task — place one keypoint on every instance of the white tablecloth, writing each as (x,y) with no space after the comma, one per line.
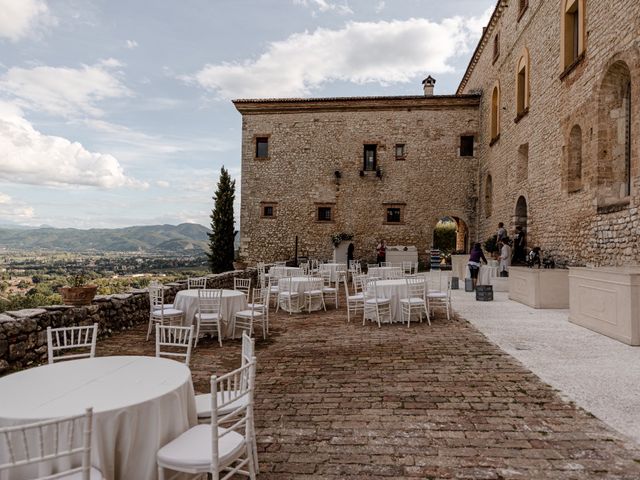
(301,285)
(232,301)
(334,268)
(486,273)
(139,404)
(393,290)
(382,272)
(279,272)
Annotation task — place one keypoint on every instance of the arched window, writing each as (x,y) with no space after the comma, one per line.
(522,84)
(614,134)
(495,114)
(572,31)
(488,196)
(574,166)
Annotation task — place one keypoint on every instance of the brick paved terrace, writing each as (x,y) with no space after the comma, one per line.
(345,401)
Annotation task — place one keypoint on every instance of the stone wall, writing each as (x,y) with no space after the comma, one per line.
(23,333)
(316,151)
(578,210)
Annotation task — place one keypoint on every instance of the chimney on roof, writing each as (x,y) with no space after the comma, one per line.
(428,84)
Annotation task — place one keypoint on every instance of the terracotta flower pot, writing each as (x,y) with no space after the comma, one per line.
(78,296)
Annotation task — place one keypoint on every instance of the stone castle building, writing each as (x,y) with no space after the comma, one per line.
(542,132)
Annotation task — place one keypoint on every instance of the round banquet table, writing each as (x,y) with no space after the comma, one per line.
(232,301)
(139,405)
(301,285)
(279,272)
(393,290)
(486,273)
(382,272)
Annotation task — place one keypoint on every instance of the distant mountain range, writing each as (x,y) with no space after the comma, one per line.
(183,238)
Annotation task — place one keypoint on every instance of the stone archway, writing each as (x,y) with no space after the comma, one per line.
(461,241)
(521,214)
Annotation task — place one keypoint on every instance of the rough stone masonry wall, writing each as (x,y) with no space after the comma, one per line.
(576,225)
(23,333)
(307,148)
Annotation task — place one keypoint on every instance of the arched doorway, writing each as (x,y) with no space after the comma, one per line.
(520,217)
(451,234)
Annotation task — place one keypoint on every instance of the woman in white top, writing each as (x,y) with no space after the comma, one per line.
(505,258)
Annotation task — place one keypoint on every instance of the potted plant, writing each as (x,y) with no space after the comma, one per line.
(491,245)
(238,262)
(79,293)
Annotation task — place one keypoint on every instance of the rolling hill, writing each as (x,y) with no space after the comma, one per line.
(183,238)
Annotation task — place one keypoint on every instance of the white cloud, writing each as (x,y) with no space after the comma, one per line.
(326,6)
(64,91)
(14,210)
(163,184)
(145,144)
(19,18)
(132,44)
(27,156)
(383,52)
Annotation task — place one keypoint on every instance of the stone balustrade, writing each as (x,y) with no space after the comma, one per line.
(23,333)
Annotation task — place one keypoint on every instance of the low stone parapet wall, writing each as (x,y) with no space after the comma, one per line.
(23,333)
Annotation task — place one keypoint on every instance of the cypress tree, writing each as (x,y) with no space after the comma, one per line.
(222,236)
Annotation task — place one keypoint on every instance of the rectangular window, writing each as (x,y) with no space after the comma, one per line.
(267,209)
(324,214)
(394,215)
(496,47)
(262,147)
(370,157)
(466,146)
(400,153)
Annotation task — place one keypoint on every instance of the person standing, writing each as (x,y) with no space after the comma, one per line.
(505,257)
(350,251)
(475,257)
(501,233)
(381,252)
(519,242)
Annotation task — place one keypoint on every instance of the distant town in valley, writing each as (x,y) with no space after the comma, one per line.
(36,262)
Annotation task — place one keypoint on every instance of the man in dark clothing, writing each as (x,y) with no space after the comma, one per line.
(519,243)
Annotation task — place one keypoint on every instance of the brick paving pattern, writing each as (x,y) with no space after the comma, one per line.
(346,401)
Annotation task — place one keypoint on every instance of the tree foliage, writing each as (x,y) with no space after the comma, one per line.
(444,236)
(222,236)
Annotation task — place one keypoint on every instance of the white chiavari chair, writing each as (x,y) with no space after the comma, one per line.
(209,315)
(196,282)
(174,342)
(313,292)
(242,285)
(244,319)
(440,299)
(376,306)
(219,448)
(329,287)
(288,298)
(58,441)
(355,302)
(74,339)
(159,312)
(415,301)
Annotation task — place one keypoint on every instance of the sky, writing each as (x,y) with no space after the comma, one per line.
(118,112)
